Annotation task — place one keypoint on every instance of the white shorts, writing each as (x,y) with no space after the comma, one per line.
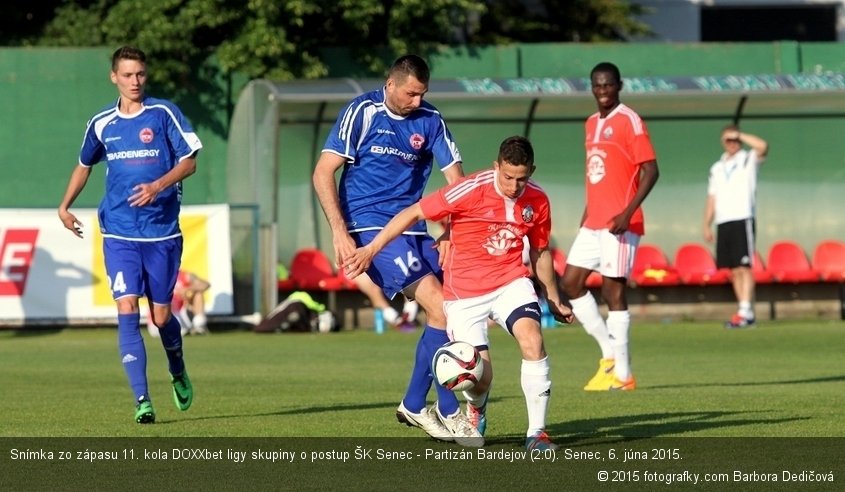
(466,319)
(609,254)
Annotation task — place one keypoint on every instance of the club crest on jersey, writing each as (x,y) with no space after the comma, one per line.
(528,214)
(501,242)
(146,135)
(595,165)
(607,133)
(416,141)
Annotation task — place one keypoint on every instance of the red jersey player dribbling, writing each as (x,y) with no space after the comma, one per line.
(484,276)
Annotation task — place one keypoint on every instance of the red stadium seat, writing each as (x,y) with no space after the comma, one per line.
(789,264)
(346,282)
(758,269)
(311,269)
(696,266)
(829,260)
(286,284)
(652,268)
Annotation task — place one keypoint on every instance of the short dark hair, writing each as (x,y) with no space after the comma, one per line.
(127,53)
(517,151)
(410,65)
(607,67)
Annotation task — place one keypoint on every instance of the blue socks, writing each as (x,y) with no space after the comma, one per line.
(133,353)
(171,340)
(422,378)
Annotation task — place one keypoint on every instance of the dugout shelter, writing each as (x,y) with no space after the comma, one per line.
(278,129)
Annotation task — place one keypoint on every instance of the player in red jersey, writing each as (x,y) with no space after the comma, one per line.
(484,276)
(621,171)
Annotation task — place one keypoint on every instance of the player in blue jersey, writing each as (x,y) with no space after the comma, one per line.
(149,147)
(386,141)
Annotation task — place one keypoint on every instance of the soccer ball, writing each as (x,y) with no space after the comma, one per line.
(457,366)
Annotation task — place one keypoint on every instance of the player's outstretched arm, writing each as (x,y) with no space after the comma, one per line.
(361,259)
(443,244)
(543,265)
(561,312)
(323,180)
(77,181)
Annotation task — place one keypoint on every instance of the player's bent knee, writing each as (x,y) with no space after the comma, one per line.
(435,320)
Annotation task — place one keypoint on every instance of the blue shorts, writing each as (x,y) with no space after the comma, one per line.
(402,262)
(137,268)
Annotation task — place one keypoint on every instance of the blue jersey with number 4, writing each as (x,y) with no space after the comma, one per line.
(139,148)
(389,159)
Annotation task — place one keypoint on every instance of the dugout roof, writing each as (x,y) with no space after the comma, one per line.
(264,107)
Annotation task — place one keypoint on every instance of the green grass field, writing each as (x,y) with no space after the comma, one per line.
(705,396)
(780,379)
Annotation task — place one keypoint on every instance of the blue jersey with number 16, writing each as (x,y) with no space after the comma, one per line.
(139,148)
(389,159)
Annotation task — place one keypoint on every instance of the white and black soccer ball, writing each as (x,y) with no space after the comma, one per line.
(457,366)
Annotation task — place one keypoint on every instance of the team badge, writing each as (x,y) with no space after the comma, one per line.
(595,168)
(607,133)
(417,141)
(146,135)
(501,242)
(528,214)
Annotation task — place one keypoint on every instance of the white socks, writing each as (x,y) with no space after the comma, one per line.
(199,321)
(536,386)
(618,325)
(410,310)
(587,312)
(478,401)
(612,336)
(745,310)
(390,315)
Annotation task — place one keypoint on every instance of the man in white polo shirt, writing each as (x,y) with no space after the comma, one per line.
(731,196)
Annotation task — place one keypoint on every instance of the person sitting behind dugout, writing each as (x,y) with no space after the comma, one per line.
(188,304)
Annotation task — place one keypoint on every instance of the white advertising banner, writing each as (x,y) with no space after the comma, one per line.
(47,273)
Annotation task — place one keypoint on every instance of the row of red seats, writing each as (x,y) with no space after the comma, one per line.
(694,265)
(311,269)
